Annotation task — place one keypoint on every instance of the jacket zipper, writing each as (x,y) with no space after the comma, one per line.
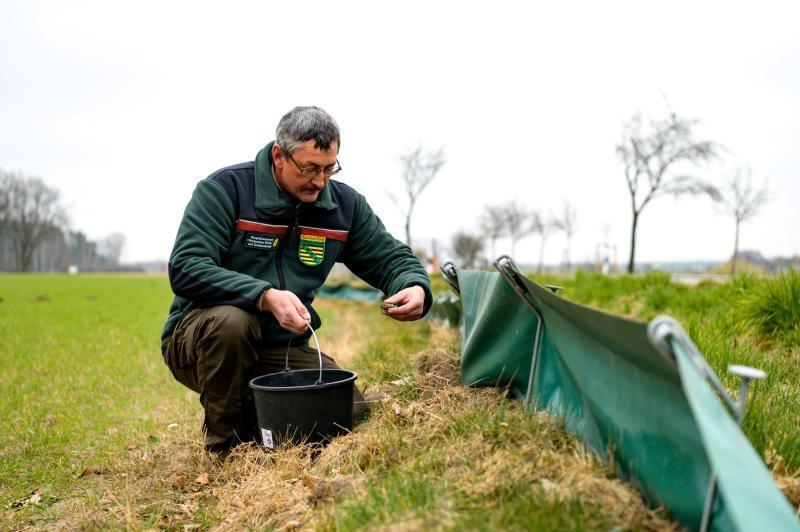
(289,233)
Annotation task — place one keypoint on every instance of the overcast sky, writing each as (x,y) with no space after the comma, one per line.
(125,106)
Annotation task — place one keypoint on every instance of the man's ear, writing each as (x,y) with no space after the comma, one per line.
(277,155)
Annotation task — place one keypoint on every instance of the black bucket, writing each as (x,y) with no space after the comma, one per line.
(303,406)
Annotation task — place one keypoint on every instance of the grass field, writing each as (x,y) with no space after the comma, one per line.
(96,433)
(83,383)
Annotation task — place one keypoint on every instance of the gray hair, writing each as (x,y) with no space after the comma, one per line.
(302,124)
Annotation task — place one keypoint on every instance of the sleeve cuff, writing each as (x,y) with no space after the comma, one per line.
(428,296)
(259,299)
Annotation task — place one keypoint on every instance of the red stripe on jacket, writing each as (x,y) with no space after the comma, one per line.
(258,227)
(333,234)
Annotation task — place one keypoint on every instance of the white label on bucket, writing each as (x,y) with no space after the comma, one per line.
(266,437)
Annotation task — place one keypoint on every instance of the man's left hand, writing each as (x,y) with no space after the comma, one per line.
(410,302)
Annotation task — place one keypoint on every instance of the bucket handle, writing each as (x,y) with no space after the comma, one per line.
(319,354)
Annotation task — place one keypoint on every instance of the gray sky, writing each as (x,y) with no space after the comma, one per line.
(124,106)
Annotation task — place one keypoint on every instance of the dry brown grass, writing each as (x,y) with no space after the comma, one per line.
(525,449)
(788,482)
(425,423)
(293,488)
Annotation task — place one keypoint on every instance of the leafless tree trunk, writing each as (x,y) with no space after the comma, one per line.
(50,255)
(655,154)
(518,223)
(568,223)
(634,225)
(420,167)
(493,225)
(742,198)
(6,243)
(543,228)
(6,181)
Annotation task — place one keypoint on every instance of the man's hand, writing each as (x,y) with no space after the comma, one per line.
(291,314)
(410,302)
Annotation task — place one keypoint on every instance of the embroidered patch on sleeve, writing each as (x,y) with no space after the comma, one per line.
(312,250)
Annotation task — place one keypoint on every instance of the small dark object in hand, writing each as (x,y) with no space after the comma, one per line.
(387,306)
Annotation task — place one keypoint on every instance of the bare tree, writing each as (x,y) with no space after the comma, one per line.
(568,224)
(5,199)
(420,167)
(50,255)
(493,224)
(467,249)
(110,248)
(543,227)
(654,153)
(742,198)
(518,223)
(7,252)
(33,214)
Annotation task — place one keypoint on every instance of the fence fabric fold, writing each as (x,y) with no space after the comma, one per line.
(657,420)
(346,291)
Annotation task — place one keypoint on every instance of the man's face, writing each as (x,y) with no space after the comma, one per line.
(305,157)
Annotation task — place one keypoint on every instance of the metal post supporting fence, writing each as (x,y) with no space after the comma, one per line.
(505,265)
(663,331)
(451,276)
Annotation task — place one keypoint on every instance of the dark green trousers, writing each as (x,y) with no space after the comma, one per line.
(215,352)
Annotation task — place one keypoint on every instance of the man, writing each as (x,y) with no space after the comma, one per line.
(256,240)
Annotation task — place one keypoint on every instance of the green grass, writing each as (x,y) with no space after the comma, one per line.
(81,374)
(379,363)
(424,501)
(775,309)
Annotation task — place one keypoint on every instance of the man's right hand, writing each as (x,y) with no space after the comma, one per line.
(291,314)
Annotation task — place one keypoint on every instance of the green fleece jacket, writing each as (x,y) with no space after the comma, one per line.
(241,235)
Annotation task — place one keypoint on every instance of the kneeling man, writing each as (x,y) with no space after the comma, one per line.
(256,240)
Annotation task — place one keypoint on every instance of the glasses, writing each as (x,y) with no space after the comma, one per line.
(313,171)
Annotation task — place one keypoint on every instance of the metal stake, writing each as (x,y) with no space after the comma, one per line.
(553,288)
(451,276)
(505,265)
(747,374)
(663,329)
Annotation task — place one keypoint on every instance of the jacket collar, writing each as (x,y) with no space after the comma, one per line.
(270,198)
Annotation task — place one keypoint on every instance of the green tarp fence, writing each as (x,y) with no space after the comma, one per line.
(346,291)
(446,309)
(657,419)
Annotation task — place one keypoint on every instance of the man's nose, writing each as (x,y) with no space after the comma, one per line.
(318,180)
